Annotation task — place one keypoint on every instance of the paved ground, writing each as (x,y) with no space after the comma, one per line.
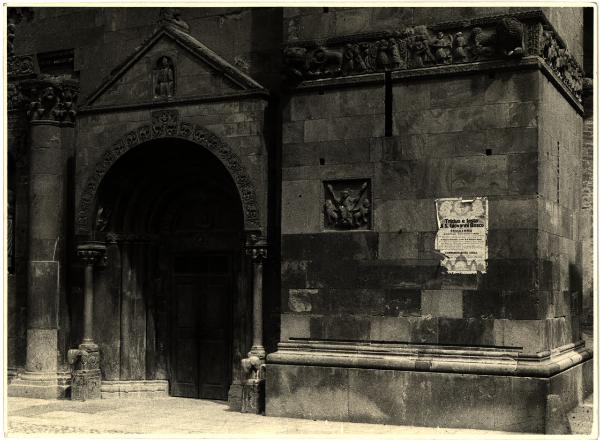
(181,417)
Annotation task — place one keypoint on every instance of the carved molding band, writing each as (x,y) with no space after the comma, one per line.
(166,124)
(502,37)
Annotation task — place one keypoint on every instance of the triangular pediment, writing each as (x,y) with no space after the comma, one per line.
(171,65)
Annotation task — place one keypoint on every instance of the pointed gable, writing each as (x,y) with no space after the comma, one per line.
(171,65)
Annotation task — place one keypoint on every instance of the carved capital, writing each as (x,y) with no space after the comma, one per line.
(91,252)
(256,247)
(50,99)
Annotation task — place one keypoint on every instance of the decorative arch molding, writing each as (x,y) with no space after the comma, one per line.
(166,124)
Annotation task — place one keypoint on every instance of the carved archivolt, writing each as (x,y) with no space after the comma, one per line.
(420,46)
(166,124)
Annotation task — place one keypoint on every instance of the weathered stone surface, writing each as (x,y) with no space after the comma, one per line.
(300,213)
(340,327)
(390,329)
(294,326)
(442,303)
(425,399)
(307,391)
(299,300)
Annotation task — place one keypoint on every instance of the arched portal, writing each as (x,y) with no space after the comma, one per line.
(172,303)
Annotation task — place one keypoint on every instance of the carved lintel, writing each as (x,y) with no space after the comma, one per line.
(91,252)
(256,247)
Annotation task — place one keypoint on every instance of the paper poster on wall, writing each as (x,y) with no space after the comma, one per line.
(462,234)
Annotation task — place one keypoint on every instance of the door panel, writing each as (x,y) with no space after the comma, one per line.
(201,330)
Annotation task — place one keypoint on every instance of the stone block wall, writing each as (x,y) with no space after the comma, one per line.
(477,135)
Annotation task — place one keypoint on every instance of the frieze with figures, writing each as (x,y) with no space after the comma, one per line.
(166,123)
(416,47)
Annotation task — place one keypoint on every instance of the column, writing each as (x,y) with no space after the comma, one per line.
(253,389)
(50,109)
(85,384)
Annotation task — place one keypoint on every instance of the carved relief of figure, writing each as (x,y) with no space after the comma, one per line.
(348,62)
(481,44)
(383,59)
(360,64)
(459,53)
(441,45)
(397,59)
(349,209)
(420,47)
(165,81)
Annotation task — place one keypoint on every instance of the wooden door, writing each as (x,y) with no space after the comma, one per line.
(201,326)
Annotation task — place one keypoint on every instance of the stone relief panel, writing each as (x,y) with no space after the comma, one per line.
(415,47)
(347,204)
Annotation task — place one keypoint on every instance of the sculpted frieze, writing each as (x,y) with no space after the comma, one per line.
(416,47)
(166,123)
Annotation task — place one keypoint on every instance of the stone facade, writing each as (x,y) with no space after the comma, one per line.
(290,173)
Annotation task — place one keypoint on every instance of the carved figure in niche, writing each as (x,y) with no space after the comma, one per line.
(509,37)
(165,80)
(323,61)
(459,53)
(348,209)
(481,44)
(441,45)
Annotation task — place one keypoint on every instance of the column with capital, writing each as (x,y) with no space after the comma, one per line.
(49,104)
(85,384)
(253,389)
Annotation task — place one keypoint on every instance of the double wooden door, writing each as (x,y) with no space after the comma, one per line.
(201,327)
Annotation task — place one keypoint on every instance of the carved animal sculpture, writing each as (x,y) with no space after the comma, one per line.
(295,62)
(509,37)
(322,61)
(252,366)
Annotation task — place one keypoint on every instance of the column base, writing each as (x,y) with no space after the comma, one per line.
(253,396)
(44,385)
(86,385)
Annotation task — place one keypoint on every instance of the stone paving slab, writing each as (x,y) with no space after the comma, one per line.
(181,417)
